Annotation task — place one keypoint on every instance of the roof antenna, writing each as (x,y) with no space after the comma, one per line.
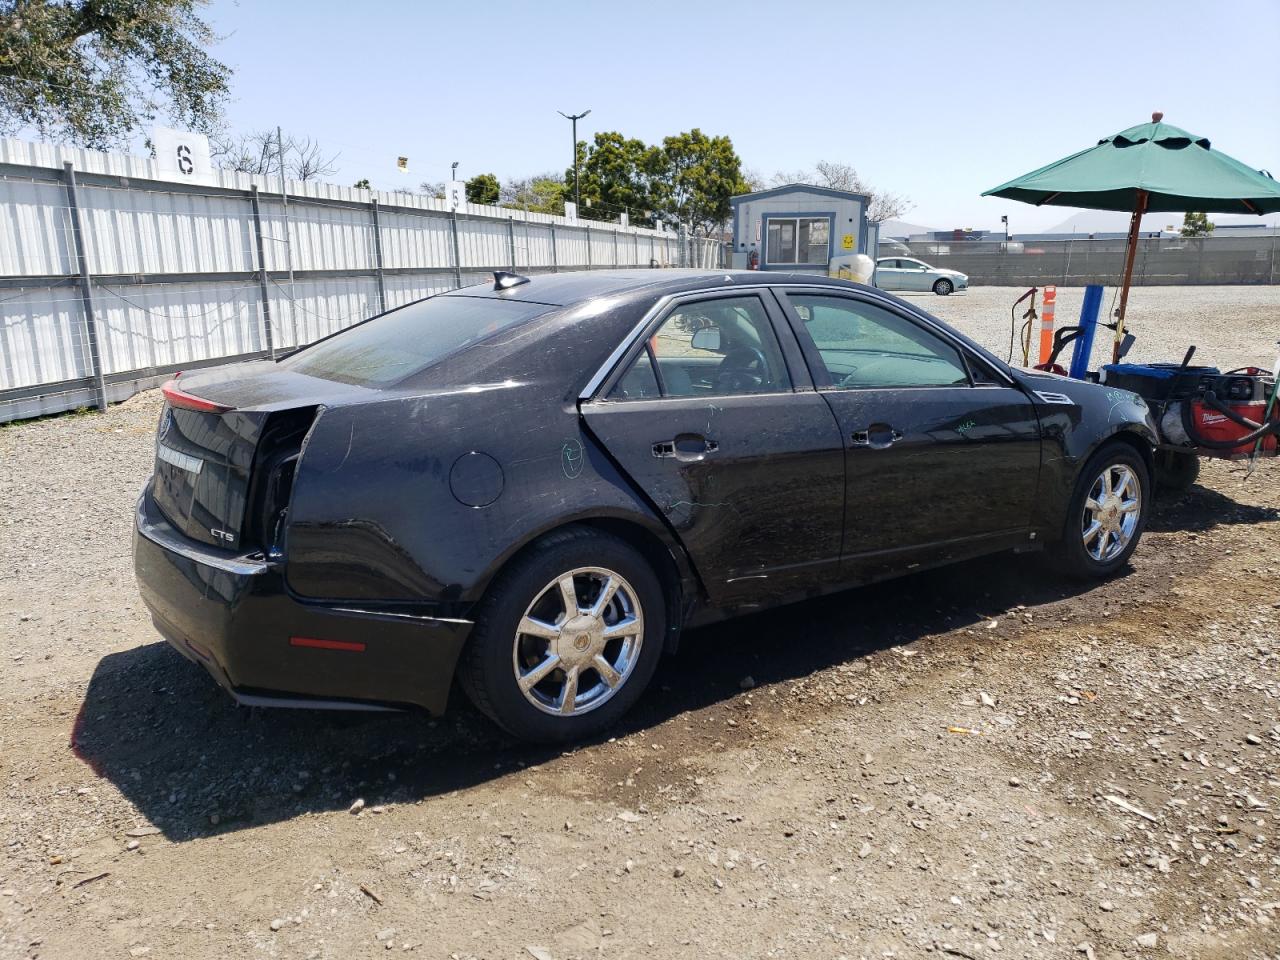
(505,280)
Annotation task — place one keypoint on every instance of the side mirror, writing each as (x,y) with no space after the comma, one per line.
(708,338)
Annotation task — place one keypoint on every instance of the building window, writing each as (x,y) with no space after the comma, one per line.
(798,240)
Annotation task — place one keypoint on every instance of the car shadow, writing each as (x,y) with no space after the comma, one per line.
(194,764)
(1199,509)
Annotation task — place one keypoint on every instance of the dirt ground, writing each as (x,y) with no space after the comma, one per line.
(976,762)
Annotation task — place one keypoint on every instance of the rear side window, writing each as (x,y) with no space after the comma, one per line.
(639,383)
(386,349)
(708,348)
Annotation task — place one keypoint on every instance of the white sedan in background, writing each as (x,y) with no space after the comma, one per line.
(905,273)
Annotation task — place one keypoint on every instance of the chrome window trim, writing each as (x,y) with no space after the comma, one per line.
(606,369)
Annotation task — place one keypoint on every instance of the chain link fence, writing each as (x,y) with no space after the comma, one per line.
(1076,262)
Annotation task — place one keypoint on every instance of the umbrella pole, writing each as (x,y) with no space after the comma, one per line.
(1131,251)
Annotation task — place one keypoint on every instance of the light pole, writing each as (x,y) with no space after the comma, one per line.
(573,119)
(1005,221)
(453,171)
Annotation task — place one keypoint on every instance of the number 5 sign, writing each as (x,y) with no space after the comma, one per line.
(183,155)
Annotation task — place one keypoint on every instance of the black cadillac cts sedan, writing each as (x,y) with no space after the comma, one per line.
(534,485)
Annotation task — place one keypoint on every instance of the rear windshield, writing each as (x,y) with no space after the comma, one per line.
(386,349)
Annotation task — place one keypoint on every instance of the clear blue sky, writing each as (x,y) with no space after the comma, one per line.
(935,100)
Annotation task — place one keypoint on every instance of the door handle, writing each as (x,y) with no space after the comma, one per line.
(686,446)
(878,436)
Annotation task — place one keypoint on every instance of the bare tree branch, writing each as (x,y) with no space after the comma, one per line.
(882,205)
(260,153)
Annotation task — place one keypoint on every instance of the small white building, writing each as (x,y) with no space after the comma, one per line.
(800,227)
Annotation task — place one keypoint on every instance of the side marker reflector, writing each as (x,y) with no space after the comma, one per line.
(318,644)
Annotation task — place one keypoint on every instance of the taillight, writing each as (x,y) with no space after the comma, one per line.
(179,398)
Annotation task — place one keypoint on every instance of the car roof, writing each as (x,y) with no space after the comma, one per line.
(570,288)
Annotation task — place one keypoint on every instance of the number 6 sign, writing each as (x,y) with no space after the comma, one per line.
(183,155)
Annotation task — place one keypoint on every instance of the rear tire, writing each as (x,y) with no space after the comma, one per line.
(1106,516)
(527,643)
(943,287)
(1175,471)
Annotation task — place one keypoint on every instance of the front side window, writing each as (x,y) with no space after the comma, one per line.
(865,346)
(798,240)
(709,348)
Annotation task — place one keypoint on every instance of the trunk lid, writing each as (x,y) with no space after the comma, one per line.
(203,463)
(226,447)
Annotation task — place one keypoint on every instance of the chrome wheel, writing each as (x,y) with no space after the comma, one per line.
(1111,512)
(578,642)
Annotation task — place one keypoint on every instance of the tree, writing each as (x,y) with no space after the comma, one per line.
(687,181)
(543,193)
(700,174)
(94,71)
(306,161)
(881,205)
(1196,225)
(754,180)
(620,174)
(483,188)
(263,153)
(362,184)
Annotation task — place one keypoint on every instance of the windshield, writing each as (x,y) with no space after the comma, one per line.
(395,345)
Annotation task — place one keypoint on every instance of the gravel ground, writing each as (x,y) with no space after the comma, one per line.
(1230,326)
(974,762)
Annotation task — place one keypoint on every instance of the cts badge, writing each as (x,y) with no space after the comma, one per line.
(222,535)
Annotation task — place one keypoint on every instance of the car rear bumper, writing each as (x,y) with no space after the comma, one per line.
(235,617)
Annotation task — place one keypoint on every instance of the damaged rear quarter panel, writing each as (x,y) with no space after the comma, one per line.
(374,515)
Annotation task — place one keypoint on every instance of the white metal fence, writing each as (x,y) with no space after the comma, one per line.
(112,278)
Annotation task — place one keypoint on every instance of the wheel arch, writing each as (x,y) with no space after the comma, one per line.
(682,589)
(1132,440)
(1142,444)
(1058,489)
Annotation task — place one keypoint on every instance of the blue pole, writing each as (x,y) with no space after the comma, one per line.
(1083,345)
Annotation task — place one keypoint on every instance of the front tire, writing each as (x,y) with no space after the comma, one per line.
(943,287)
(1107,514)
(566,639)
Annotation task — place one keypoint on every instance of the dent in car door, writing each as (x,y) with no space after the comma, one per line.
(752,483)
(935,471)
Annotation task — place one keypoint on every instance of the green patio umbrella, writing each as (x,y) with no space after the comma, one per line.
(1147,168)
